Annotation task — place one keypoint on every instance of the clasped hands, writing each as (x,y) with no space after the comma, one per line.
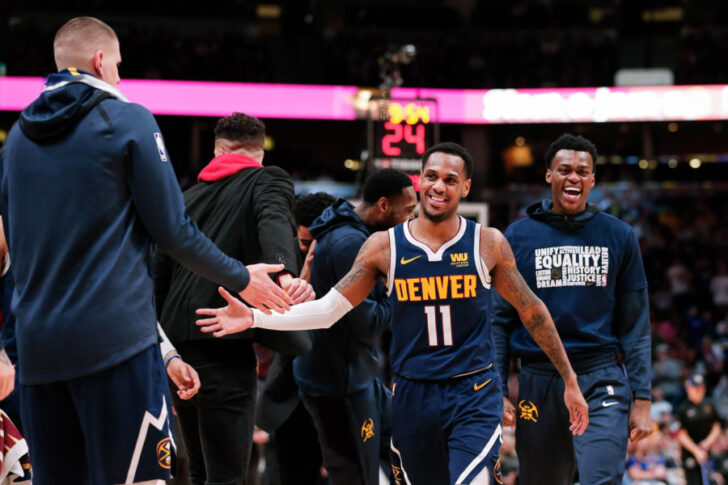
(237,317)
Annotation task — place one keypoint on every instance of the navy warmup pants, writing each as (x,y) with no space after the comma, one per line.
(547,451)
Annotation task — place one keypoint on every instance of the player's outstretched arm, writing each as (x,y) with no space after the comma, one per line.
(371,262)
(498,256)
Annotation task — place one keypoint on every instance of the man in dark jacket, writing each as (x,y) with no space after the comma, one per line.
(338,377)
(245,208)
(86,189)
(279,409)
(586,267)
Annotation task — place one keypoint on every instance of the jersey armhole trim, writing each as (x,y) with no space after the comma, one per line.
(483,272)
(392,261)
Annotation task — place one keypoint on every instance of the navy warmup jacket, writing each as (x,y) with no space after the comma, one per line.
(87,186)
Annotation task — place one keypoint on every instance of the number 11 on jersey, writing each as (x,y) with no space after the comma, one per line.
(432,325)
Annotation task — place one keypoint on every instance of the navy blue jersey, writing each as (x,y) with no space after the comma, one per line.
(579,275)
(440,305)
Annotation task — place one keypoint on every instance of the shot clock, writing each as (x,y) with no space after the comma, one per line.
(400,131)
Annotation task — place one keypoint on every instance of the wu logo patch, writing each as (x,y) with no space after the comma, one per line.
(459,260)
(160,146)
(529,411)
(367,430)
(164,454)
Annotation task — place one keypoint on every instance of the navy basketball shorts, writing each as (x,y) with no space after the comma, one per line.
(111,427)
(548,452)
(447,432)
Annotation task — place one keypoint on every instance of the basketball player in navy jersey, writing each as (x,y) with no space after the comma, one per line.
(439,269)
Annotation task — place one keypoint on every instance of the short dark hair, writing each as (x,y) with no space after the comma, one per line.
(308,207)
(385,183)
(239,127)
(451,148)
(89,27)
(570,142)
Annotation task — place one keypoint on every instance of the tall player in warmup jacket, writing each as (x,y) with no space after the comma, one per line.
(86,187)
(439,269)
(586,266)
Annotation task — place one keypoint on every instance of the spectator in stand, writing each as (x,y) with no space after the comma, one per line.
(700,428)
(679,277)
(667,374)
(645,466)
(719,287)
(712,358)
(661,410)
(508,458)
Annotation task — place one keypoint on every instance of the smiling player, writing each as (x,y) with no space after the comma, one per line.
(439,269)
(586,266)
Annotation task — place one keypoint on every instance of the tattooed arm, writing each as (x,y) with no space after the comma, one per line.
(498,256)
(371,262)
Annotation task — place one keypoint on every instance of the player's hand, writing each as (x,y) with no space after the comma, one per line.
(700,455)
(509,413)
(262,293)
(299,290)
(184,377)
(306,270)
(640,420)
(578,409)
(233,318)
(260,437)
(7,375)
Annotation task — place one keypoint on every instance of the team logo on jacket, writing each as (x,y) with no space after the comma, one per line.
(529,411)
(367,430)
(459,260)
(164,453)
(160,146)
(571,266)
(397,475)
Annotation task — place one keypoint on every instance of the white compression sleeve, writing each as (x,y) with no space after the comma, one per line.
(321,313)
(165,345)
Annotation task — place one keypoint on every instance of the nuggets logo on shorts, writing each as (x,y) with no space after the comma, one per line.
(529,411)
(164,454)
(497,472)
(367,430)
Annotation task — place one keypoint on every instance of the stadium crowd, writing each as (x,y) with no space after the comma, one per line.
(497,56)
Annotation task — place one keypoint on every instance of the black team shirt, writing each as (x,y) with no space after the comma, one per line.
(697,420)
